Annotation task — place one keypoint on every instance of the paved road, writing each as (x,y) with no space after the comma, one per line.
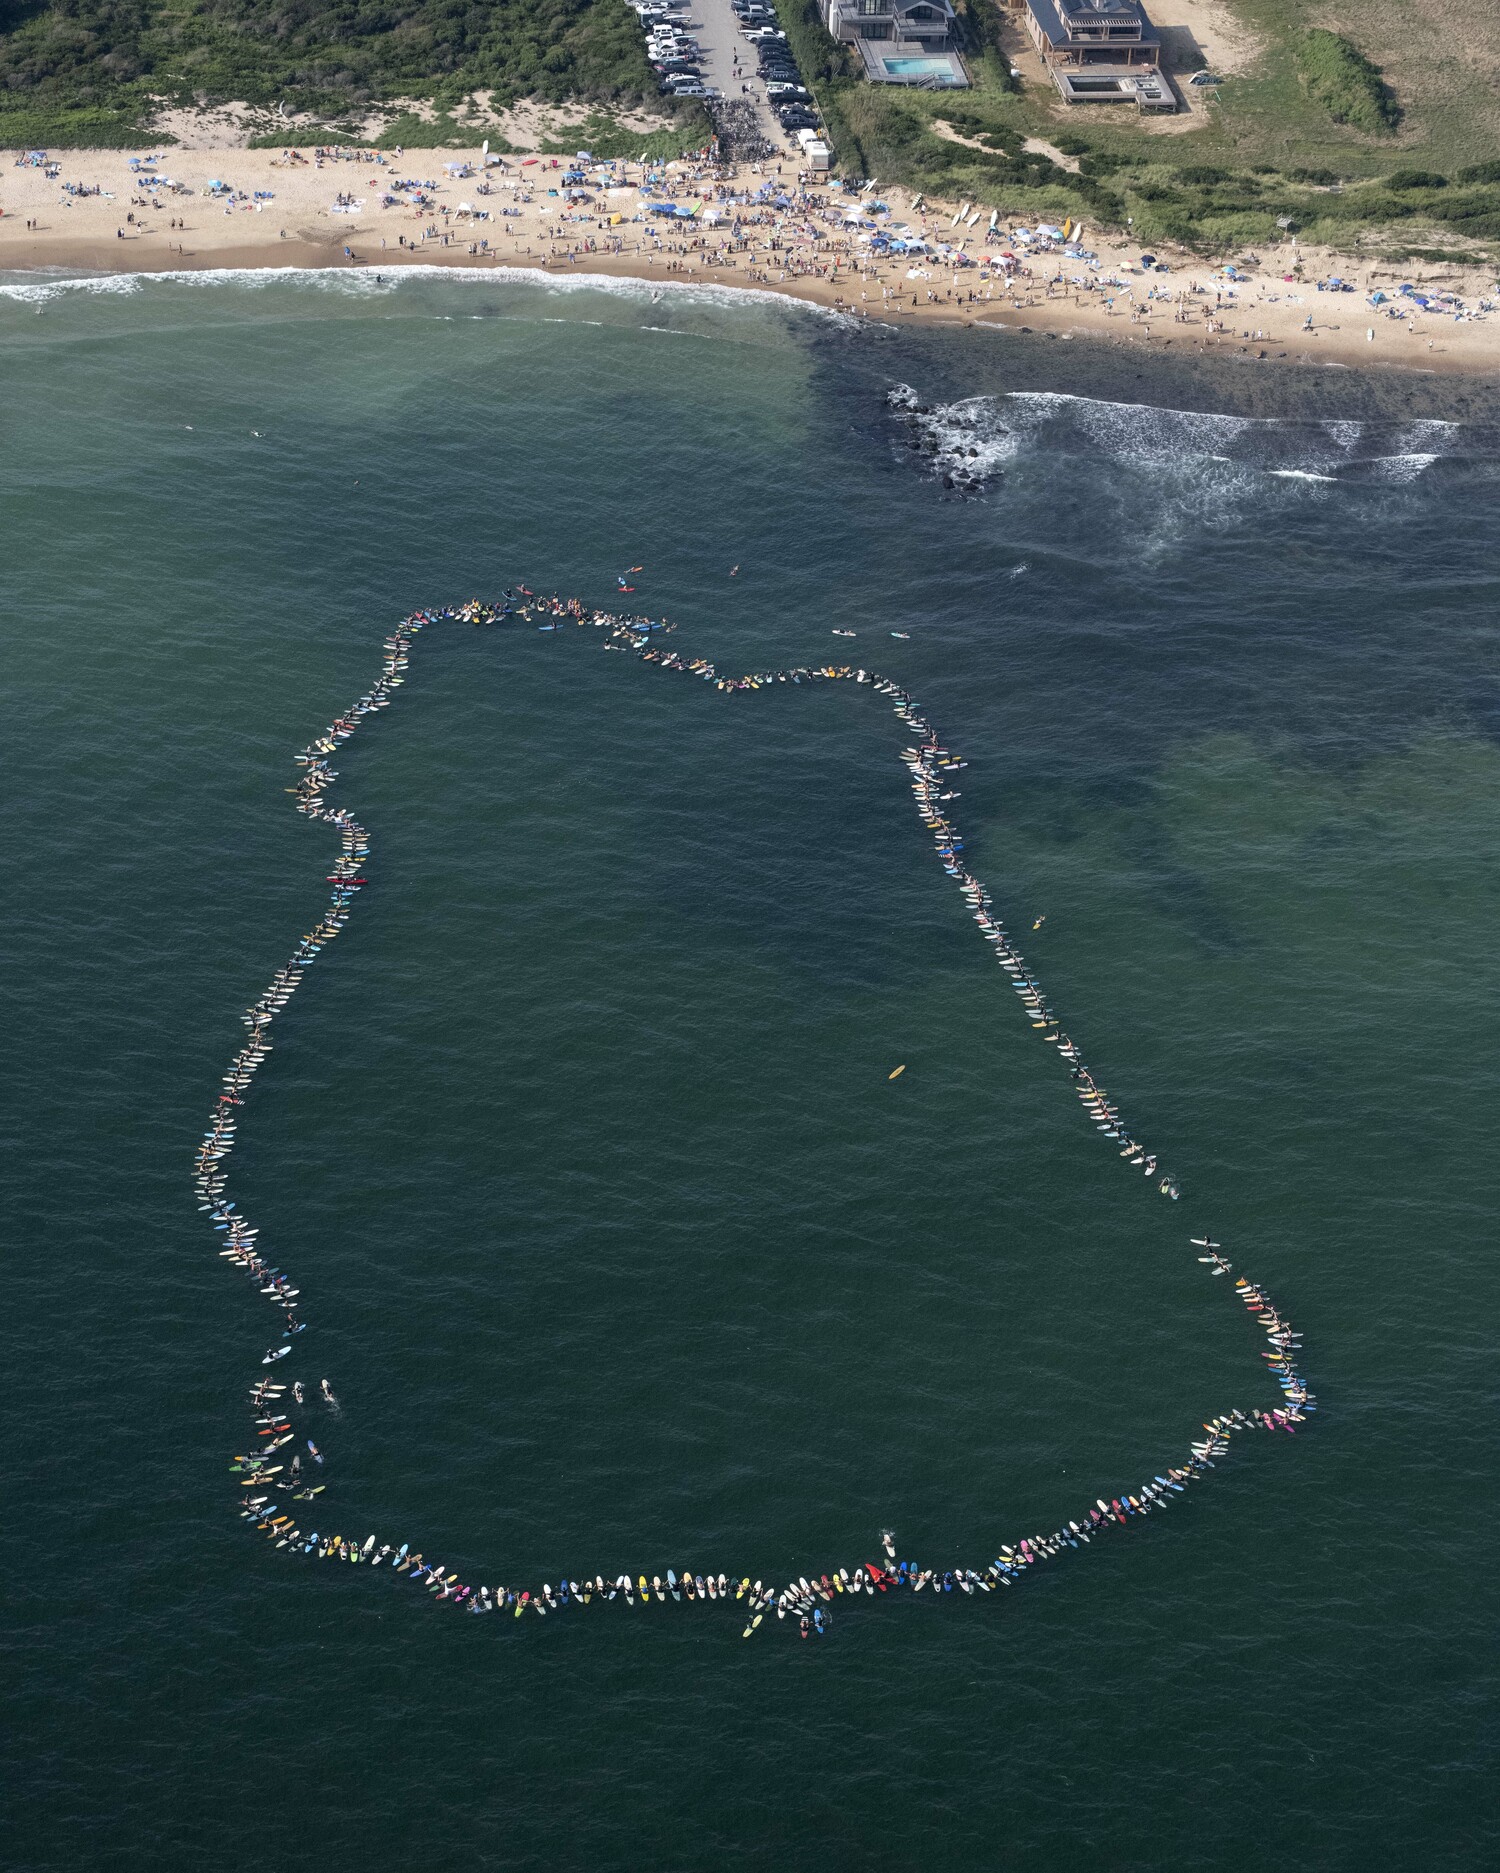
(717,30)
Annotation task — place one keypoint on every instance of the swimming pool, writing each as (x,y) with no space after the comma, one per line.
(941,69)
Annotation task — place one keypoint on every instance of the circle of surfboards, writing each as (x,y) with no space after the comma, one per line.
(281,1496)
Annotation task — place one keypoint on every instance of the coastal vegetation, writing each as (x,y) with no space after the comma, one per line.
(93,72)
(1385,145)
(1312,138)
(1344,81)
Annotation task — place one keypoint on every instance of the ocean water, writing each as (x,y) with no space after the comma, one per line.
(619,1245)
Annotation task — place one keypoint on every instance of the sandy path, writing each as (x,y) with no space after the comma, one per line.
(302,222)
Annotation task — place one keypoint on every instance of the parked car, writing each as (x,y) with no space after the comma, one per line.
(785,91)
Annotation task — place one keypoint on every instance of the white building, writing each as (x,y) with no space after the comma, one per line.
(900,41)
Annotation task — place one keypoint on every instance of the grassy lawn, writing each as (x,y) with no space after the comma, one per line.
(1263,149)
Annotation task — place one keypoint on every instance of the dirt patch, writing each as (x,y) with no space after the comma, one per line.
(226,127)
(1039,146)
(942,128)
(1204,35)
(528,125)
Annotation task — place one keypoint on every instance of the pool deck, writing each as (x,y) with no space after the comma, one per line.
(875,52)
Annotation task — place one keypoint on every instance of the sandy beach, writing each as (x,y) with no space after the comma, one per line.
(91,211)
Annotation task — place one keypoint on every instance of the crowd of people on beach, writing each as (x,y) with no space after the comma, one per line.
(723,215)
(280,1492)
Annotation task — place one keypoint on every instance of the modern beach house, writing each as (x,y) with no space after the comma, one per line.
(1101,52)
(901,42)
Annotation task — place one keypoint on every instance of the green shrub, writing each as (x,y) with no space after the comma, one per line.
(409,132)
(1480,172)
(91,128)
(1379,208)
(1071,145)
(1464,211)
(1098,164)
(329,57)
(1345,83)
(1318,178)
(1415,179)
(1202,175)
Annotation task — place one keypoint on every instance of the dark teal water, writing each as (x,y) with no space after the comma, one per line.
(620,1246)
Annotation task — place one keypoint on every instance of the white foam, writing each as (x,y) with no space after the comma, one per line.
(1205,464)
(1405,467)
(34,288)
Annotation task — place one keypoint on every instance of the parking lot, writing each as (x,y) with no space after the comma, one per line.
(729,63)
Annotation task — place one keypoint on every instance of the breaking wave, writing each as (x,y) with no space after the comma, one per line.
(968,445)
(41,288)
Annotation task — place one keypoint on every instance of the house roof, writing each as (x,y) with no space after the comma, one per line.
(1053,18)
(850,8)
(1127,9)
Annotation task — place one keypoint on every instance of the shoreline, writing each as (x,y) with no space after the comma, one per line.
(271,215)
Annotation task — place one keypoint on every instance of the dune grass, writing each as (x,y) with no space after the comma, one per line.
(1270,150)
